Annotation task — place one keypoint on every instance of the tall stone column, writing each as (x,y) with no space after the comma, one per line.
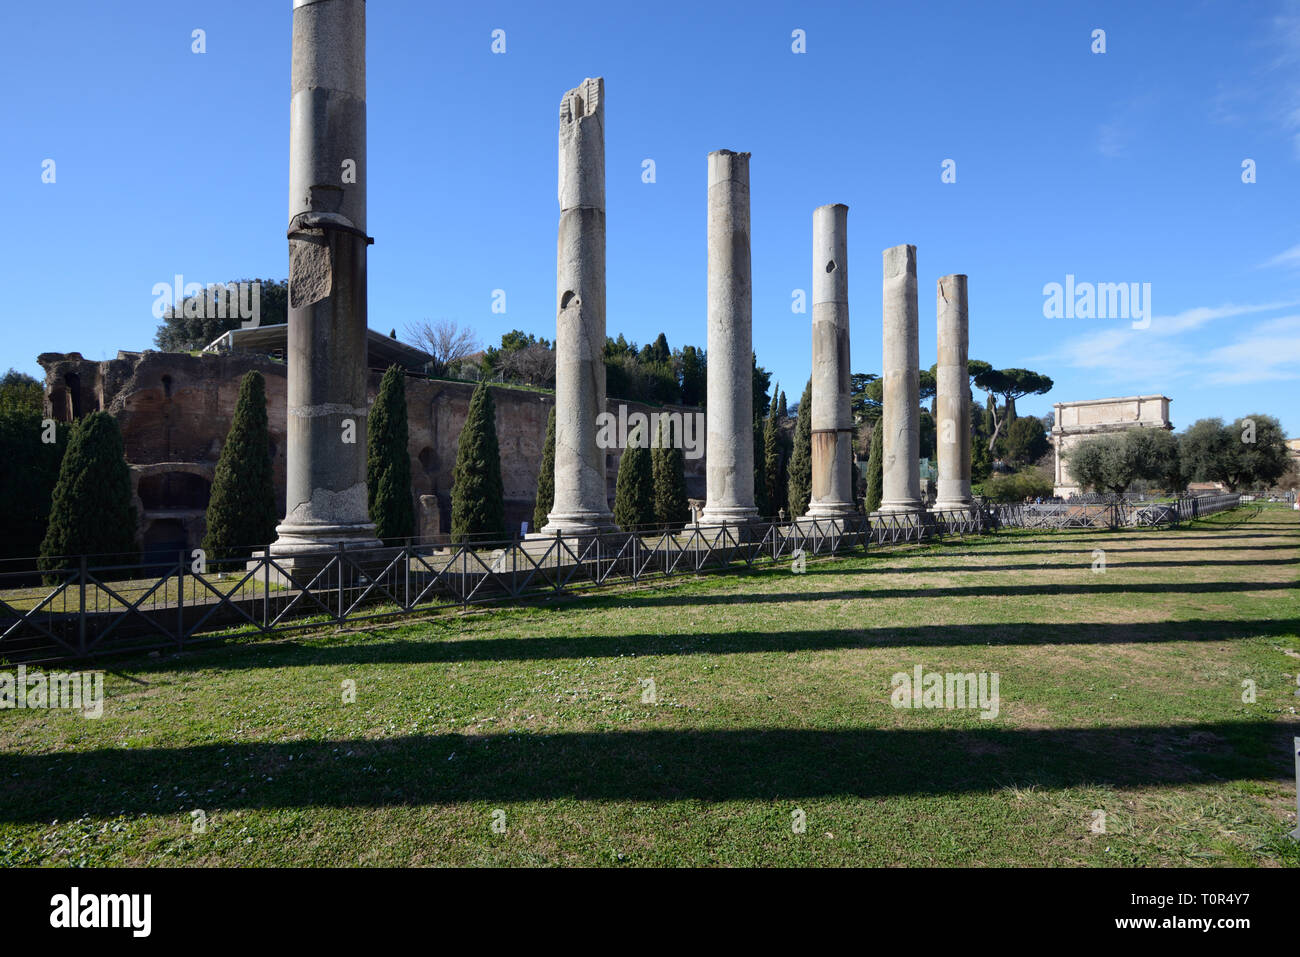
(832,416)
(952,396)
(581,504)
(730,414)
(901,488)
(327,409)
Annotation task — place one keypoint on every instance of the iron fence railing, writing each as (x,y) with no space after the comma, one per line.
(84,609)
(1073,513)
(87,608)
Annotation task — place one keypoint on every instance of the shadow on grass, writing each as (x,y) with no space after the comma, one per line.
(955,591)
(376,647)
(1085,560)
(757,764)
(959,549)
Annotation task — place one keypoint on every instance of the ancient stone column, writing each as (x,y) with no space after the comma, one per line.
(832,416)
(952,396)
(901,488)
(581,504)
(327,410)
(730,414)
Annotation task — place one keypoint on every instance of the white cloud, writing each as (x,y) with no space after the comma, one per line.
(1289,258)
(1149,358)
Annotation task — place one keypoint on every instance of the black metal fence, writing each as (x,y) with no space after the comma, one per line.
(1074,513)
(87,608)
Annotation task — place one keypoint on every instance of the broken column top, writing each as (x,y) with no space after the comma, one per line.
(831,253)
(728,165)
(900,260)
(582,145)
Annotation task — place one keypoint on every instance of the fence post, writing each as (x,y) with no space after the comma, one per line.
(180,599)
(81,618)
(339,559)
(266,587)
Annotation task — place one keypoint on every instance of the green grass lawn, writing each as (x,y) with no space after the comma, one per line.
(1120,692)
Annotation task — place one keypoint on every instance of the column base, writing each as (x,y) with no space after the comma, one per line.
(829,510)
(952,506)
(901,508)
(302,551)
(296,540)
(575,524)
(716,515)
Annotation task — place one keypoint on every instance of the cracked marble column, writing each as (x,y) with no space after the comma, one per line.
(952,396)
(832,416)
(325,472)
(729,471)
(901,486)
(581,504)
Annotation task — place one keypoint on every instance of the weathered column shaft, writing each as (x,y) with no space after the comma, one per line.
(832,416)
(952,395)
(901,486)
(730,414)
(581,503)
(327,409)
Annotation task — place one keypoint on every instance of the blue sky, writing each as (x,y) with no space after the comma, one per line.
(1123,166)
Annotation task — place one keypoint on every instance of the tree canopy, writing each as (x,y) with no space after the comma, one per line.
(181,333)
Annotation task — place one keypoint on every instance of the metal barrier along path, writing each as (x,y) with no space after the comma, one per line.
(85,608)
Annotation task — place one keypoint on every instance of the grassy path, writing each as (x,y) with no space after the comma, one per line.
(1120,693)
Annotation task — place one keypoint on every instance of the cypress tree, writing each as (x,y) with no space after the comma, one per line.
(801,458)
(782,412)
(772,464)
(761,501)
(875,468)
(388,461)
(855,480)
(546,477)
(634,502)
(669,470)
(477,495)
(31,470)
(91,511)
(242,509)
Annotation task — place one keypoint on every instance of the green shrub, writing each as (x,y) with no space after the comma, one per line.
(875,469)
(388,461)
(477,495)
(634,495)
(800,483)
(546,477)
(91,511)
(1018,486)
(668,466)
(242,509)
(31,469)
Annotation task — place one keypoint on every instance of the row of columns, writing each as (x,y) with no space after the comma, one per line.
(326,484)
(581,506)
(901,485)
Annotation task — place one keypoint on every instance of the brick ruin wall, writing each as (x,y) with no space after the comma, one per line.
(175,409)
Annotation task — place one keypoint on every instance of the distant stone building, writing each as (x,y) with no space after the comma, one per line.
(174,410)
(1076,421)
